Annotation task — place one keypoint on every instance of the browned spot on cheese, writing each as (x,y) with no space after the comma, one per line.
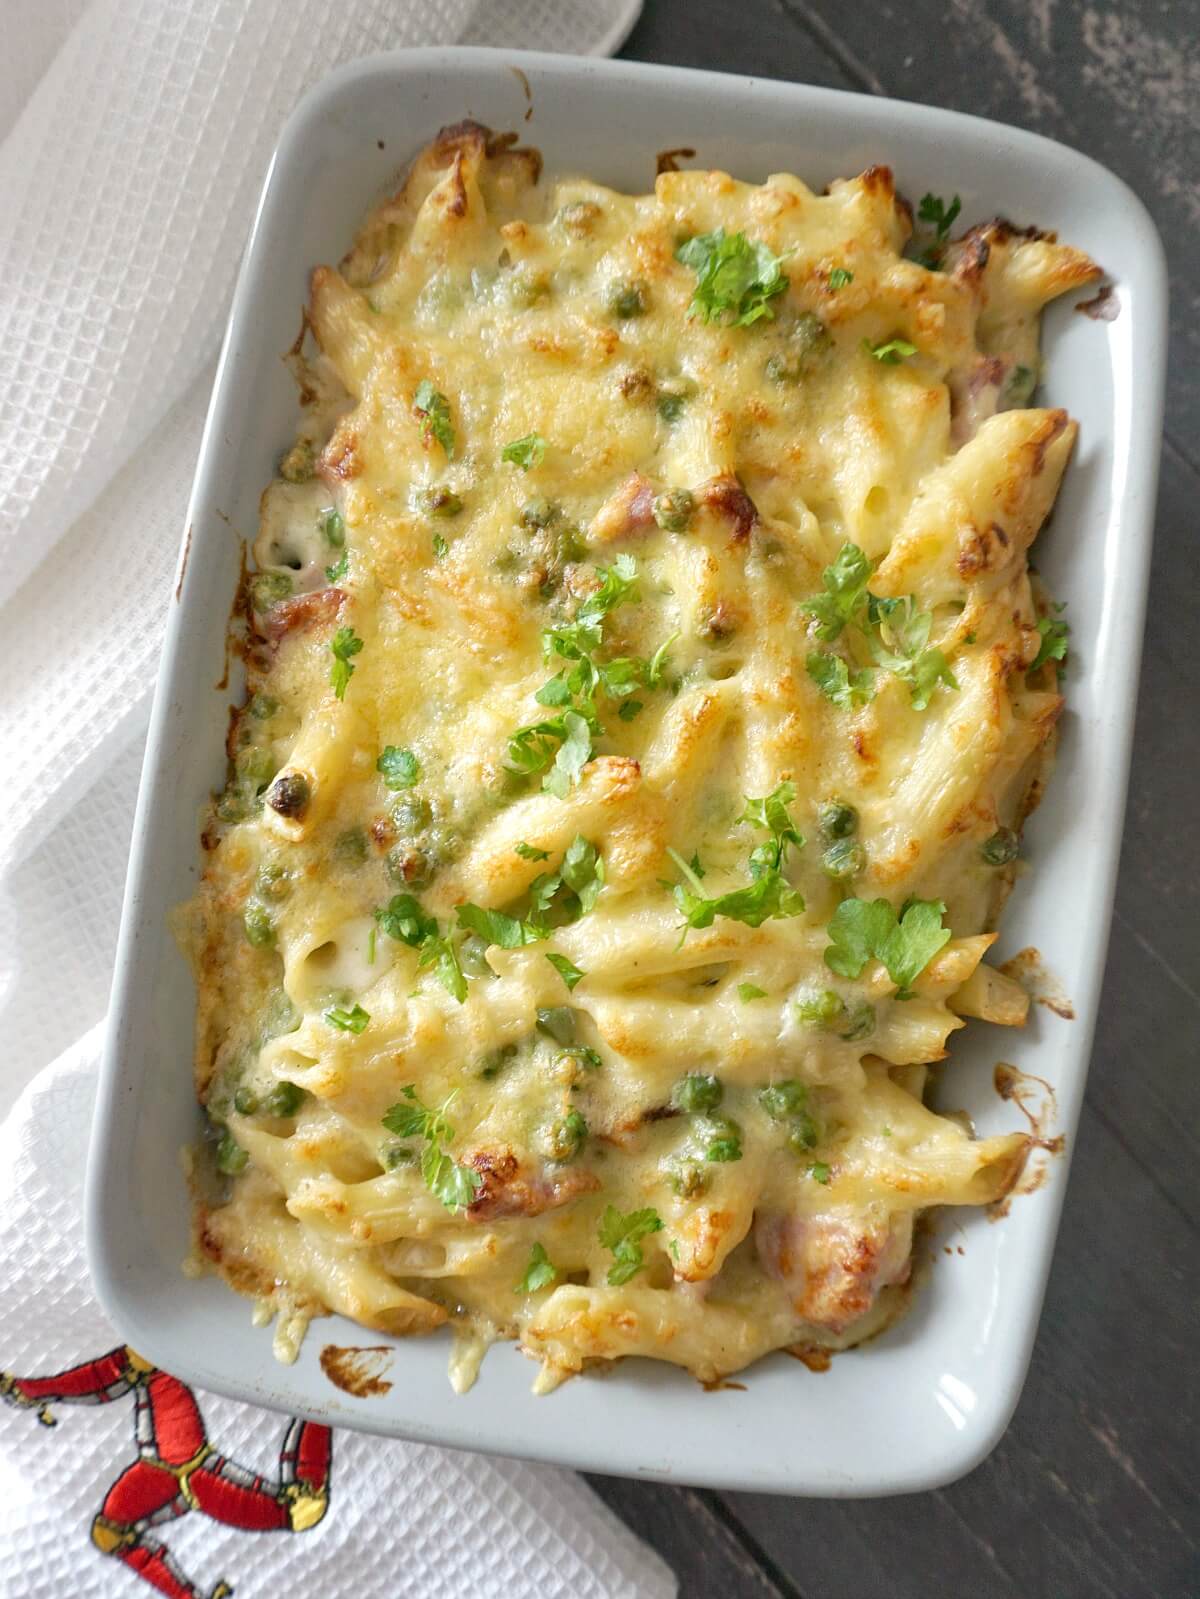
(1026,967)
(1104,307)
(809,1355)
(668,160)
(358,1372)
(878,180)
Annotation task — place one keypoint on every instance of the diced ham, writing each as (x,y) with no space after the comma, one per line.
(832,1268)
(300,611)
(509,1191)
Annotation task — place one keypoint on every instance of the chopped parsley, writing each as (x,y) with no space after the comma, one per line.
(567,970)
(555,899)
(837,682)
(839,278)
(938,214)
(1055,638)
(736,277)
(346,644)
(340,567)
(347,1021)
(455,1185)
(861,930)
(748,991)
(494,927)
(527,852)
(622,1235)
(526,452)
(540,1273)
(890,351)
(400,768)
(404,920)
(768,895)
(433,410)
(819,1171)
(894,631)
(440,548)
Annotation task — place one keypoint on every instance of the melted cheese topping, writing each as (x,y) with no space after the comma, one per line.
(562,311)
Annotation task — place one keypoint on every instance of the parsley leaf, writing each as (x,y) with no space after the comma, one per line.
(455,1185)
(1055,636)
(837,682)
(845,584)
(839,278)
(772,813)
(583,872)
(400,768)
(540,1273)
(526,452)
(819,1171)
(622,1235)
(440,548)
(347,1021)
(891,351)
(748,991)
(618,586)
(769,897)
(404,920)
(901,649)
(862,930)
(940,215)
(574,753)
(736,277)
(346,643)
(433,409)
(509,932)
(567,970)
(340,567)
(528,853)
(587,1057)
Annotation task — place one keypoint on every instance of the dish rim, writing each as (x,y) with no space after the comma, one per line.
(459,1427)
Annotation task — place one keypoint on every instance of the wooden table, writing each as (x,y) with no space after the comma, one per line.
(1093,1493)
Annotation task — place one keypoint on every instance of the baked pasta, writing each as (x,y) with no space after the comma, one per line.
(645,691)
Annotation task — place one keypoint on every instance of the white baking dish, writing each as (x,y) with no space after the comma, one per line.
(925,1402)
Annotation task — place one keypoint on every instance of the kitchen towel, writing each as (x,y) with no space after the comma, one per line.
(134,135)
(86,1511)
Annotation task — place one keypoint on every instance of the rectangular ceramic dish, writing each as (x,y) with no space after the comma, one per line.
(925,1402)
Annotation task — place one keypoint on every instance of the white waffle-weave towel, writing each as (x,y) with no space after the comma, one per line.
(133,137)
(400,1521)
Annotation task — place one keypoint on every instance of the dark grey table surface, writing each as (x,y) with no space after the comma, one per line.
(1094,1489)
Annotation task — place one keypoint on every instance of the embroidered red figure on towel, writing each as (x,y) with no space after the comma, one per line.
(177,1469)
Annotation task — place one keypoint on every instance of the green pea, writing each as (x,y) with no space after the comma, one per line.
(439,502)
(407,865)
(859,1023)
(245,1102)
(836,819)
(1022,381)
(231,1157)
(557,1022)
(527,289)
(262,707)
(1001,848)
(721,1137)
(820,1008)
(255,766)
(411,814)
(805,1133)
(297,464)
(673,510)
(539,512)
(626,299)
(472,956)
(781,1100)
(260,929)
(333,528)
(688,1178)
(232,805)
(351,846)
(572,546)
(289,794)
(697,1091)
(843,859)
(807,340)
(396,1155)
(671,406)
(268,588)
(284,1100)
(495,1062)
(272,882)
(562,1140)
